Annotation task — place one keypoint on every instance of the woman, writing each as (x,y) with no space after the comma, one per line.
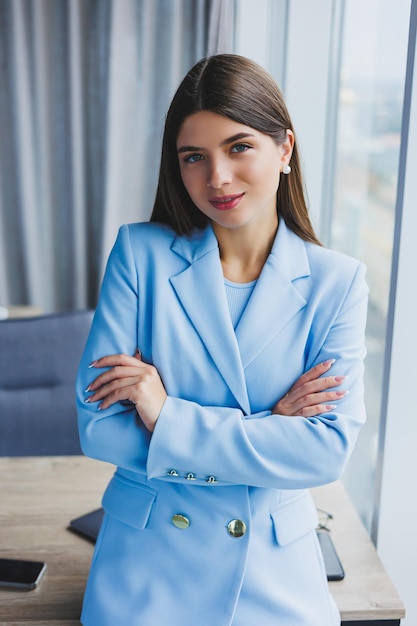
(206,377)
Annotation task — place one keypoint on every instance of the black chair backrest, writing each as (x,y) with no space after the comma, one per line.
(39,358)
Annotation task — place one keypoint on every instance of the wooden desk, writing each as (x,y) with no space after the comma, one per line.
(39,496)
(366,595)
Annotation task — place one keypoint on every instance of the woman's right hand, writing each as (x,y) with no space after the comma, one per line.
(128,378)
(312,394)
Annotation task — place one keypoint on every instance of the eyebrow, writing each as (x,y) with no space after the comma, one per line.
(236,137)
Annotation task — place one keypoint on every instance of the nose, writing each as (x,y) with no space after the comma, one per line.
(219,173)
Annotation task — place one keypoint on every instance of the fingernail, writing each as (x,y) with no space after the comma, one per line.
(92,364)
(341,394)
(330,407)
(339,379)
(87,389)
(330,362)
(87,400)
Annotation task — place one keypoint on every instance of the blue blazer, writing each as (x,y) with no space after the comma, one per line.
(208,520)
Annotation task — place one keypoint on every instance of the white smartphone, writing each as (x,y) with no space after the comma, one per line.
(21,574)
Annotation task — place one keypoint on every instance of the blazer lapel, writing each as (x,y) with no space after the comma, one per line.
(275,299)
(200,289)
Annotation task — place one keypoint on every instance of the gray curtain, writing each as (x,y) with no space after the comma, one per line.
(84,87)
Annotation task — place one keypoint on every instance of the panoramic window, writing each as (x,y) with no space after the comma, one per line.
(372,75)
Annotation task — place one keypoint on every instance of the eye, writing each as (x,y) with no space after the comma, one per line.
(240,147)
(193,158)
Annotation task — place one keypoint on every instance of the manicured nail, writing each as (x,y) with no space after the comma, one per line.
(330,407)
(92,364)
(342,394)
(87,389)
(329,362)
(87,400)
(339,379)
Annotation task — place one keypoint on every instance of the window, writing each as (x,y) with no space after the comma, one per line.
(372,75)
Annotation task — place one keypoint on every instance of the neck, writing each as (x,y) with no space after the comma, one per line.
(244,251)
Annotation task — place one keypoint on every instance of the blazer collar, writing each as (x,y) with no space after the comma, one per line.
(275,300)
(195,246)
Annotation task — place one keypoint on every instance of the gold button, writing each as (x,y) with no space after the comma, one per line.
(180,521)
(236,528)
(190,476)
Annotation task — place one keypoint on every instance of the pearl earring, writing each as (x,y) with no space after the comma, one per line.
(286,169)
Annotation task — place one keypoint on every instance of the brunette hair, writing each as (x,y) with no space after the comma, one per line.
(237,88)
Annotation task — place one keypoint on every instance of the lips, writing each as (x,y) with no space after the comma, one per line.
(225,203)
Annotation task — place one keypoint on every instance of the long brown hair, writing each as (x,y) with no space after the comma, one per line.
(238,88)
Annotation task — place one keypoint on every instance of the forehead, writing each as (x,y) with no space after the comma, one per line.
(206,126)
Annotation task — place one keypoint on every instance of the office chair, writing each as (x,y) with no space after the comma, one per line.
(39,358)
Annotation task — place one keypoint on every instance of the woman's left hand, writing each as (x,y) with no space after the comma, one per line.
(312,391)
(129,378)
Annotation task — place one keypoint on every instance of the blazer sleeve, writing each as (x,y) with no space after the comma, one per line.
(115,434)
(269,450)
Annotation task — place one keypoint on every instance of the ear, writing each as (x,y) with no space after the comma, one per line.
(287,148)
